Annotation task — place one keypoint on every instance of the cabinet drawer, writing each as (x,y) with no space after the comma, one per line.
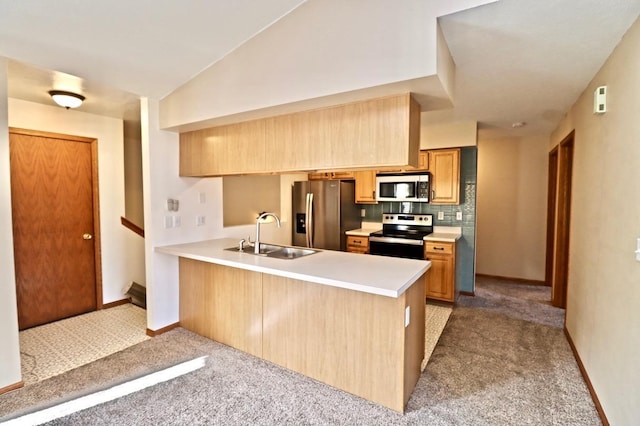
(433,247)
(357,244)
(357,241)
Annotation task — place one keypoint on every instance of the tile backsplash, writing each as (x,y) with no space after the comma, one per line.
(465,273)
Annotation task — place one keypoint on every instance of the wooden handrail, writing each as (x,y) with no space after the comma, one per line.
(132,226)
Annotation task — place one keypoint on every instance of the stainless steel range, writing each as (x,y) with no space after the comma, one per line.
(402,235)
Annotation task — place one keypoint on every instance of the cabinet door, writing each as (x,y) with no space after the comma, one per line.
(365,187)
(444,165)
(440,282)
(440,278)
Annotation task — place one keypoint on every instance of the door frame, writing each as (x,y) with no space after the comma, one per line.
(559,219)
(552,190)
(97,242)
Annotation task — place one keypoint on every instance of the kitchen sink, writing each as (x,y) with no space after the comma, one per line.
(279,252)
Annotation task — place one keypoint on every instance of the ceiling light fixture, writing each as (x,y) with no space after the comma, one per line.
(66,99)
(518,124)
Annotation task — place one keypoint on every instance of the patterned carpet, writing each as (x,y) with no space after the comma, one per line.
(54,348)
(436,317)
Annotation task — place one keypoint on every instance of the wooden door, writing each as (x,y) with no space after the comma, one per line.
(559,221)
(563,224)
(53,197)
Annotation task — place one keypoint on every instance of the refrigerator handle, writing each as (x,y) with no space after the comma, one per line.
(310,220)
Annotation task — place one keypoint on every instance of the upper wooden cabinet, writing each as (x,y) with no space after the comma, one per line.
(423,165)
(207,152)
(382,132)
(331,176)
(365,187)
(444,165)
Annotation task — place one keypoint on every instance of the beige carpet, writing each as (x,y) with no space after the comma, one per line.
(54,348)
(503,359)
(436,317)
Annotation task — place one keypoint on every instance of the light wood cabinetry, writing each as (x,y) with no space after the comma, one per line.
(373,133)
(351,340)
(423,165)
(221,303)
(357,244)
(444,165)
(365,187)
(440,283)
(331,176)
(207,152)
(423,160)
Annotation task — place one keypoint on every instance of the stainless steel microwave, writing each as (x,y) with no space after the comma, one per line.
(403,187)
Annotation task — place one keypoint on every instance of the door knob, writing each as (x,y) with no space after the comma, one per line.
(87,236)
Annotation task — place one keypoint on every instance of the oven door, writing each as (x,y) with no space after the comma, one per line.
(411,249)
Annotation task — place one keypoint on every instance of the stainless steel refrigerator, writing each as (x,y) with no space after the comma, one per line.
(323,211)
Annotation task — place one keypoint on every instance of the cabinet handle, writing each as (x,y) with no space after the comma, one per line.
(357,241)
(433,194)
(439,248)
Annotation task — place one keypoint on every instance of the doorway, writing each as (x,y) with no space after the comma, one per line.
(55,208)
(559,220)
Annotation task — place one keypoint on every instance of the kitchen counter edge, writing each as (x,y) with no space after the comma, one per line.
(380,275)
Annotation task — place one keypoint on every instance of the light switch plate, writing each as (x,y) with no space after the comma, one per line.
(440,215)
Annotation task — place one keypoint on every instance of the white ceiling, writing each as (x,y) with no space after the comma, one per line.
(516,60)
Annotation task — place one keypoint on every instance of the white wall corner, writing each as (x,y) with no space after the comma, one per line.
(10,373)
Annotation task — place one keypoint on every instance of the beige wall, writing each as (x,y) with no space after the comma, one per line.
(133,201)
(245,197)
(10,352)
(511,207)
(447,135)
(122,251)
(603,305)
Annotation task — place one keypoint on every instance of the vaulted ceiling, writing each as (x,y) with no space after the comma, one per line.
(516,60)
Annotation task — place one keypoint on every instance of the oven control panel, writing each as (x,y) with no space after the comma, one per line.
(407,219)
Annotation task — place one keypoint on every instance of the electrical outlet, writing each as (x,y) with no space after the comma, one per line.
(440,215)
(363,213)
(458,215)
(177,221)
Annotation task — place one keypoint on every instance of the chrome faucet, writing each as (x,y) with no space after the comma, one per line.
(256,243)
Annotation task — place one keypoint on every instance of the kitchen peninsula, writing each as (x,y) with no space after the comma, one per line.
(353,322)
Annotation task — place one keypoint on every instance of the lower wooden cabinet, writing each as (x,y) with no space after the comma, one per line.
(356,244)
(441,279)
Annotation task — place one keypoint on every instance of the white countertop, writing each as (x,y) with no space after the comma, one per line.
(449,234)
(366,230)
(385,276)
(362,232)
